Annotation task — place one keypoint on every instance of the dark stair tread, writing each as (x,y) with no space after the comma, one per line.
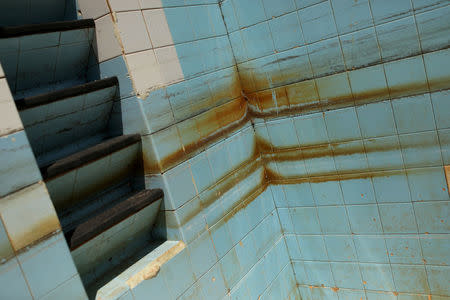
(50,97)
(88,155)
(15,31)
(112,216)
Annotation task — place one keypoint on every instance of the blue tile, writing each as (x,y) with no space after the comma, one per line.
(12,281)
(180,185)
(444,139)
(435,249)
(421,149)
(350,157)
(178,20)
(201,172)
(191,59)
(213,284)
(305,220)
(311,129)
(410,279)
(229,15)
(193,293)
(6,251)
(385,11)
(116,67)
(432,27)
(431,217)
(377,277)
(398,218)
(240,291)
(391,188)
(312,247)
(286,31)
(44,60)
(347,275)
(358,191)
(319,164)
(274,9)
(406,72)
(231,268)
(351,15)
(300,273)
(239,225)
(441,106)
(364,218)
(424,5)
(256,280)
(293,246)
(306,3)
(427,184)
(414,114)
(342,125)
(219,160)
(369,84)
(37,41)
(371,249)
(282,133)
(54,253)
(404,249)
(319,273)
(72,289)
(340,248)
(249,12)
(178,274)
(376,119)
(384,153)
(352,294)
(15,148)
(299,195)
(376,295)
(327,193)
(317,22)
(258,40)
(238,46)
(221,238)
(279,196)
(326,57)
(396,35)
(437,66)
(245,251)
(285,220)
(202,254)
(362,41)
(72,61)
(438,279)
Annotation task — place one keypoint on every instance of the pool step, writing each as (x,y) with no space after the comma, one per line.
(39,58)
(66,121)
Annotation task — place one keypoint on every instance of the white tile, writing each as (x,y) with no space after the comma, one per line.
(144,71)
(157,27)
(9,117)
(2,73)
(150,4)
(93,9)
(28,215)
(5,92)
(122,5)
(169,64)
(133,31)
(107,44)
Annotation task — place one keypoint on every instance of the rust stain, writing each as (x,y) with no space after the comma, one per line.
(447,176)
(335,289)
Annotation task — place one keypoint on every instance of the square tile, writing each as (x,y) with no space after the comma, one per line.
(364,219)
(333,219)
(391,188)
(303,96)
(340,248)
(351,15)
(317,22)
(178,273)
(376,119)
(404,249)
(282,133)
(286,31)
(350,157)
(371,248)
(427,184)
(441,108)
(131,25)
(276,9)
(432,217)
(444,139)
(249,12)
(298,195)
(406,76)
(410,279)
(347,275)
(180,185)
(311,129)
(334,91)
(72,288)
(438,279)
(398,218)
(326,57)
(414,114)
(12,281)
(358,191)
(369,84)
(319,273)
(258,41)
(52,252)
(396,35)
(40,216)
(169,65)
(433,27)
(221,238)
(384,153)
(436,64)
(361,41)
(385,11)
(424,5)
(421,149)
(377,277)
(179,24)
(327,193)
(305,220)
(342,125)
(229,16)
(219,160)
(202,254)
(145,71)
